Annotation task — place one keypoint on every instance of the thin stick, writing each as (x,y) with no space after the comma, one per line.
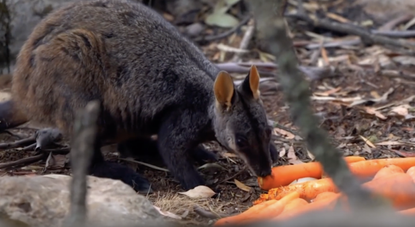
(18,143)
(82,148)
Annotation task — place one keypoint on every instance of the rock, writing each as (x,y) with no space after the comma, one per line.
(24,16)
(44,201)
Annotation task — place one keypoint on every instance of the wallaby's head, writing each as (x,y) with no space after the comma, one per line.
(241,123)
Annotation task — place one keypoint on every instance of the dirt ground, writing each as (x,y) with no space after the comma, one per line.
(379,126)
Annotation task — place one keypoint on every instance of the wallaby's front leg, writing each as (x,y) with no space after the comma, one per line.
(177,138)
(274,153)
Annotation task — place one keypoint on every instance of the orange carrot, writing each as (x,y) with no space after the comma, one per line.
(251,211)
(354,158)
(399,188)
(262,198)
(260,213)
(324,195)
(410,211)
(299,202)
(388,170)
(411,173)
(308,190)
(284,175)
(326,203)
(369,168)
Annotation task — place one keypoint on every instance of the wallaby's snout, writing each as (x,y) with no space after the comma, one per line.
(258,157)
(241,124)
(264,172)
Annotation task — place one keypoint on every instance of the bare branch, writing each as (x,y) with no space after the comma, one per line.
(82,148)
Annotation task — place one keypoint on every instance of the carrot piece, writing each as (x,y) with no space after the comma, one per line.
(411,173)
(284,175)
(324,195)
(308,190)
(399,188)
(250,211)
(326,203)
(266,211)
(388,170)
(262,198)
(369,168)
(354,158)
(410,211)
(299,202)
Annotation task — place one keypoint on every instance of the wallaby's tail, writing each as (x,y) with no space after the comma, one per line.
(10,116)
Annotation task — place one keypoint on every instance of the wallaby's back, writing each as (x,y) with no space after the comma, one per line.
(127,56)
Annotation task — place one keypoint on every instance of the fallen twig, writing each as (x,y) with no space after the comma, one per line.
(365,35)
(244,43)
(265,69)
(18,143)
(144,164)
(395,21)
(82,149)
(27,161)
(23,161)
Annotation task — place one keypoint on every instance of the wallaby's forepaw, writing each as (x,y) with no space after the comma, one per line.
(190,180)
(274,153)
(125,174)
(200,154)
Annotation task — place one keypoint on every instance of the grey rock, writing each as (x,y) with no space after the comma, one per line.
(44,201)
(24,15)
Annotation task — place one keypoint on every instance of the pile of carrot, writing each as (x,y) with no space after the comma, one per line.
(392,178)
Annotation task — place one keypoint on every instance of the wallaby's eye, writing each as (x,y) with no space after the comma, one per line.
(241,141)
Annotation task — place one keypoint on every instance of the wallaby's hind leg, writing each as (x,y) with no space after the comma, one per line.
(105,169)
(177,137)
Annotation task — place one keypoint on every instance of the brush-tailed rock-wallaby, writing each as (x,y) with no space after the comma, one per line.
(149,79)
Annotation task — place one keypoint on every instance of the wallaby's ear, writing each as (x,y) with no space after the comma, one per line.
(224,89)
(251,83)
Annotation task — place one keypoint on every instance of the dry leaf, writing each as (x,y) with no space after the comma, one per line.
(401,110)
(293,158)
(375,94)
(282,132)
(167,213)
(329,92)
(367,149)
(368,142)
(373,111)
(198,192)
(283,152)
(310,155)
(242,186)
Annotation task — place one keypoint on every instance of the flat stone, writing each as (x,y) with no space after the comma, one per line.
(44,201)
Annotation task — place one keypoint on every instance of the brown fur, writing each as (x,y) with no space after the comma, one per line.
(149,80)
